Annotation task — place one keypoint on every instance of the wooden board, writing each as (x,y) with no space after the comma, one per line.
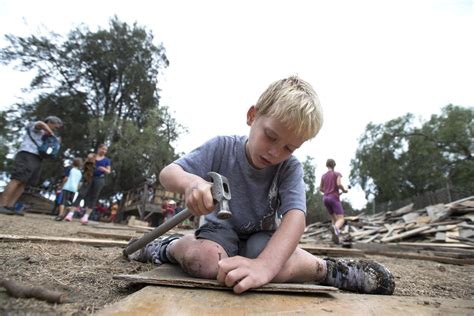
(329,251)
(157,300)
(108,235)
(83,241)
(172,275)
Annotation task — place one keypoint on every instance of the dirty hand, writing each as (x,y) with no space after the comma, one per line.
(198,198)
(242,273)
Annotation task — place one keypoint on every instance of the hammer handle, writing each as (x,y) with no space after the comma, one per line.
(157,232)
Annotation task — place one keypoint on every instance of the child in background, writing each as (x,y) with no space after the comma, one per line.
(70,187)
(87,174)
(330,186)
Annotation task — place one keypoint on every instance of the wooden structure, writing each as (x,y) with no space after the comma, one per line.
(146,201)
(35,202)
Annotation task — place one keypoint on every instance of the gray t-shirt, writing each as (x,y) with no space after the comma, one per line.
(27,144)
(256,195)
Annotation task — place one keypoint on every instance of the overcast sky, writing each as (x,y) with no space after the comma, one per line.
(369,61)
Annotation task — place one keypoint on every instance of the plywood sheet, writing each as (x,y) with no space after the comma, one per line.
(172,275)
(161,300)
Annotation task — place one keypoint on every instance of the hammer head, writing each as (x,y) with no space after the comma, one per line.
(221,194)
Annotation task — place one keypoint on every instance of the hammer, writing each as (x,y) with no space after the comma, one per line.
(220,193)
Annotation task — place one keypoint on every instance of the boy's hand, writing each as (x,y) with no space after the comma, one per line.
(242,273)
(199,199)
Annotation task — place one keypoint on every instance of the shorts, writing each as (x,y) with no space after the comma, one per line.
(250,247)
(67,197)
(26,168)
(333,205)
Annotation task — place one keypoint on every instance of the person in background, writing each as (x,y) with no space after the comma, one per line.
(102,167)
(27,164)
(113,212)
(170,210)
(70,187)
(58,191)
(330,186)
(86,181)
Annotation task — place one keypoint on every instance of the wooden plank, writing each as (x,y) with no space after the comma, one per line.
(460,201)
(406,234)
(408,255)
(410,217)
(451,234)
(440,236)
(406,209)
(363,233)
(141,228)
(370,239)
(316,232)
(108,235)
(161,300)
(90,242)
(172,275)
(329,251)
(434,245)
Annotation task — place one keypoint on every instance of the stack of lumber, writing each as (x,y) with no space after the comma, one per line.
(450,224)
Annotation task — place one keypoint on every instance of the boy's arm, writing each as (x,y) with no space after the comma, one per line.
(339,184)
(196,190)
(321,186)
(244,273)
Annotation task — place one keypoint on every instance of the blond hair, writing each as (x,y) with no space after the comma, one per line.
(295,104)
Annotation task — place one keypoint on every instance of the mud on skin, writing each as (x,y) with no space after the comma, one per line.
(362,276)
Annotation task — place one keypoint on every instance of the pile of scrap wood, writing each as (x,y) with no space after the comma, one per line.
(442,223)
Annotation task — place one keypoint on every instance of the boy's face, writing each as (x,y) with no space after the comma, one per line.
(270,142)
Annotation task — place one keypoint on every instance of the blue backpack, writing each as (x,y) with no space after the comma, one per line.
(50,146)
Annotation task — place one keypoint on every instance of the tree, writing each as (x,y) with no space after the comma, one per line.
(104,85)
(377,166)
(398,160)
(314,199)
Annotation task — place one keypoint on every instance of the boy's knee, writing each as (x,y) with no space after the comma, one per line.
(201,261)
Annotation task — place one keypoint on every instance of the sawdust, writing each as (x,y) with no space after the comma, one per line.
(85,273)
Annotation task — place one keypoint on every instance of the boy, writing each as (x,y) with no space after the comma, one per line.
(27,164)
(249,250)
(330,186)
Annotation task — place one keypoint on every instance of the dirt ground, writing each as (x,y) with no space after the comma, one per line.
(85,273)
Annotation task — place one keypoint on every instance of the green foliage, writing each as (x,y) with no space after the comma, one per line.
(397,160)
(3,140)
(104,85)
(316,211)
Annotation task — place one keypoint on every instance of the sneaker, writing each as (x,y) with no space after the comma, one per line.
(7,210)
(335,234)
(84,220)
(59,218)
(69,217)
(154,251)
(19,209)
(362,276)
